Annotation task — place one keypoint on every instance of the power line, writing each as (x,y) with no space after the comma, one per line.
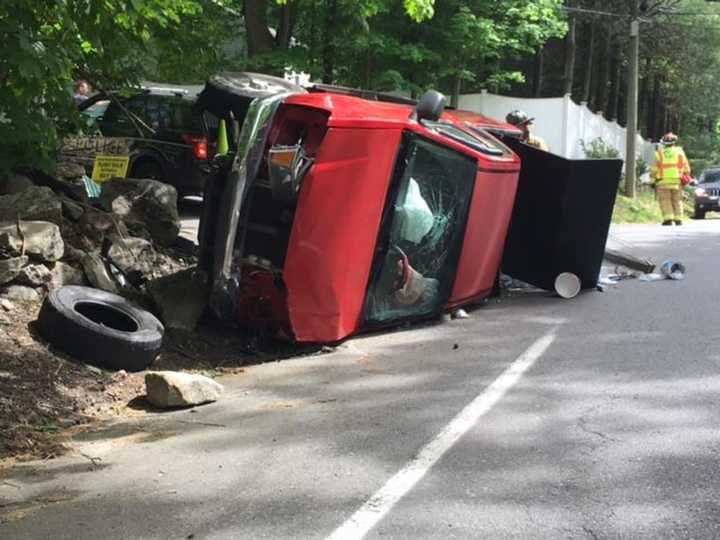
(668,12)
(593,12)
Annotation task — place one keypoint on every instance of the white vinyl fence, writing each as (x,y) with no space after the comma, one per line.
(560,121)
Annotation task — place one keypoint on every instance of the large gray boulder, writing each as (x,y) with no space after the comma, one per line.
(11,268)
(21,294)
(15,183)
(133,255)
(97,273)
(34,275)
(148,204)
(64,274)
(35,203)
(181,298)
(69,170)
(175,389)
(42,239)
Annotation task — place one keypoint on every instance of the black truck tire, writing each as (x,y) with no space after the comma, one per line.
(100,328)
(147,168)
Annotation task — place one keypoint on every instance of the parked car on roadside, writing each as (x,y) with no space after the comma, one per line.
(706,194)
(167,139)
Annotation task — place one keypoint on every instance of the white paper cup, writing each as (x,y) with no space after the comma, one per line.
(567,285)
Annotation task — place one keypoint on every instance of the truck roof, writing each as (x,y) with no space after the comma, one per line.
(354,111)
(350,111)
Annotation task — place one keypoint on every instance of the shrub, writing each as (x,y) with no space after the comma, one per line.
(598,149)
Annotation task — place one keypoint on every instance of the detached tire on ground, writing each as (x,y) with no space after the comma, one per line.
(100,328)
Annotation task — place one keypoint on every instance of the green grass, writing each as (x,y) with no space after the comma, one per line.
(642,209)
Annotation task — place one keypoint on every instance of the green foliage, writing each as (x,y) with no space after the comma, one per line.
(419,10)
(641,209)
(599,149)
(376,46)
(702,149)
(46,46)
(390,45)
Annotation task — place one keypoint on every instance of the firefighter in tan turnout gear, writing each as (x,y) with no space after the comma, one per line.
(523,121)
(671,165)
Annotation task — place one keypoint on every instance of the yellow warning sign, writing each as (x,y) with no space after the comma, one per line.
(110,167)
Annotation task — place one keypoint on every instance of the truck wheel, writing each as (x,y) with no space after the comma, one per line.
(100,328)
(147,169)
(698,214)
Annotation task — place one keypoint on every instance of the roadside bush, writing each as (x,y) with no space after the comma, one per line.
(598,149)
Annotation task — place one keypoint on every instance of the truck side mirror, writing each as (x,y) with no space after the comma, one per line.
(430,106)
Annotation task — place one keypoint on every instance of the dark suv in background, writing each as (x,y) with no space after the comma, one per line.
(167,140)
(706,194)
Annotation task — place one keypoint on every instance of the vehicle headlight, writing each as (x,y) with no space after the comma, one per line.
(700,192)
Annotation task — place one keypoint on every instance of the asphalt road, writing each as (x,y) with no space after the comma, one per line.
(591,418)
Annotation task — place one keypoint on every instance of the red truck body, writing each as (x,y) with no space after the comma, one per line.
(386,202)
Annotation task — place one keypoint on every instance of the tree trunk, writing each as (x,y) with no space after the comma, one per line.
(570,47)
(590,53)
(538,75)
(455,98)
(616,84)
(259,38)
(282,38)
(655,128)
(601,103)
(653,113)
(644,96)
(329,41)
(367,79)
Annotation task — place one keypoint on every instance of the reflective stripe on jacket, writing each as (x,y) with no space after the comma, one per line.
(670,165)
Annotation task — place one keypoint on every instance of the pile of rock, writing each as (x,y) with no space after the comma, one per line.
(52,234)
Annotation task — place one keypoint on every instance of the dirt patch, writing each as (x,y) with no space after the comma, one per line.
(42,394)
(45,396)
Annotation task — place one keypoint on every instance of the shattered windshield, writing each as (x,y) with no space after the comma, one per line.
(423,230)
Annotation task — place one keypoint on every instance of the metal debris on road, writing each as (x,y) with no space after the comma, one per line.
(673,270)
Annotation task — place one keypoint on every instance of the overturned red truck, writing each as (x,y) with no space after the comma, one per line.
(334,213)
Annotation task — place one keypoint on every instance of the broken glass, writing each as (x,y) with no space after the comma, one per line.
(422,232)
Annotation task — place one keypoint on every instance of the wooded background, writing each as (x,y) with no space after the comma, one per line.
(524,48)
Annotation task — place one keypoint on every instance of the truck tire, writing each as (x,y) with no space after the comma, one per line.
(147,169)
(100,328)
(698,214)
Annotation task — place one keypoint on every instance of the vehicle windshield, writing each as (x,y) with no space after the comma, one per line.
(710,177)
(97,109)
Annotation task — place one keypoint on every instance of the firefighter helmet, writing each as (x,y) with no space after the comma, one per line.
(518,118)
(669,138)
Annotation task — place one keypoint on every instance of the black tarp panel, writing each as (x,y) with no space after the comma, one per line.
(561,217)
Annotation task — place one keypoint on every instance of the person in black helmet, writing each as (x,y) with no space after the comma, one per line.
(520,119)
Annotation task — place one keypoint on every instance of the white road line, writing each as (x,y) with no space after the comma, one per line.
(370,513)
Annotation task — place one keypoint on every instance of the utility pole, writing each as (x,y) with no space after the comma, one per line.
(632,100)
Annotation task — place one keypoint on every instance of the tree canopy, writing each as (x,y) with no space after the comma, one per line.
(521,47)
